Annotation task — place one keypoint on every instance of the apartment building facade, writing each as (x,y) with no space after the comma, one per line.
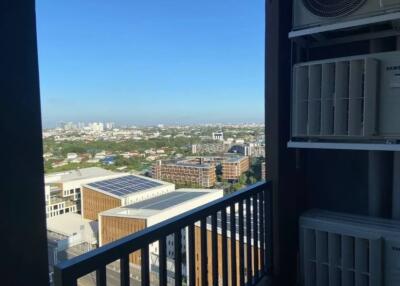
(233,167)
(196,173)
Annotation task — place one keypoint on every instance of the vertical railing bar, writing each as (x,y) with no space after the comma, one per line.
(144,269)
(63,279)
(203,252)
(101,276)
(255,234)
(241,244)
(162,261)
(178,258)
(256,225)
(124,270)
(224,249)
(233,244)
(214,234)
(268,230)
(191,251)
(261,224)
(248,241)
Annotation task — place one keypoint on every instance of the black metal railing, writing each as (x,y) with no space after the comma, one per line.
(245,213)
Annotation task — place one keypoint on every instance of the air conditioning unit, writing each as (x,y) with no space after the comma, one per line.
(355,98)
(347,250)
(310,13)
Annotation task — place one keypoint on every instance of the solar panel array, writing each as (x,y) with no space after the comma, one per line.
(126,185)
(166,201)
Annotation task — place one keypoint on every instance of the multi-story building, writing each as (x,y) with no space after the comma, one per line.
(218,136)
(210,148)
(56,204)
(234,166)
(248,149)
(122,221)
(189,172)
(63,190)
(123,190)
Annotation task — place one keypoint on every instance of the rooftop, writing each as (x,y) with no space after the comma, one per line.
(125,185)
(160,204)
(71,224)
(189,163)
(233,159)
(79,174)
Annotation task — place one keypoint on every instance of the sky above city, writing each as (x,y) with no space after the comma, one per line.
(151,61)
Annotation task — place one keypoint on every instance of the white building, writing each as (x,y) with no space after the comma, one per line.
(63,190)
(72,156)
(75,228)
(57,205)
(218,136)
(150,212)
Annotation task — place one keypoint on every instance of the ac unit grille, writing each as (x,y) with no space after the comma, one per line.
(332,8)
(335,98)
(334,259)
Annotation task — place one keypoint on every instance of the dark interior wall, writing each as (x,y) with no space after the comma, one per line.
(287,192)
(22,214)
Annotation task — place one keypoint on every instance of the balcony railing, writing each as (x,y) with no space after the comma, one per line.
(244,263)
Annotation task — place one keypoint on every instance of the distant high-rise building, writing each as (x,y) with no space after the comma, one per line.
(96,126)
(68,126)
(81,125)
(110,125)
(186,173)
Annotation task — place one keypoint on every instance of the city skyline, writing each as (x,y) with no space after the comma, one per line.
(151,62)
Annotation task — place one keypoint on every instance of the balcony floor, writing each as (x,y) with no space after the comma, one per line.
(265,281)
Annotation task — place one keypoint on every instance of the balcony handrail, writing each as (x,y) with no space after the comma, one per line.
(72,269)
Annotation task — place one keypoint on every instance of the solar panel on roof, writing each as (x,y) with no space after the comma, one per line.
(165,201)
(125,185)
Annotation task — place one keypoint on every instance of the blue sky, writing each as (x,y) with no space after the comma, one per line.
(151,61)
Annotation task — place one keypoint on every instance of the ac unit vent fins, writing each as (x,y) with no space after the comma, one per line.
(333,8)
(335,98)
(333,259)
